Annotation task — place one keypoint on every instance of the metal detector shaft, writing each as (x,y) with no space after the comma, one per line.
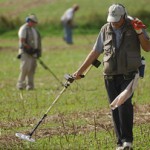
(37,125)
(56,99)
(47,68)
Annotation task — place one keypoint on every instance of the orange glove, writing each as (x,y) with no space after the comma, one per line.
(138,25)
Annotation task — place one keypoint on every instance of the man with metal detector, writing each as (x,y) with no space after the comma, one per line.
(120,40)
(29,51)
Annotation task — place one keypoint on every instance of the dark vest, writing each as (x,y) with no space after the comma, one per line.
(127,57)
(30,37)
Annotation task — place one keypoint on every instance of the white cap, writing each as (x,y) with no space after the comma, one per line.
(33,18)
(115,12)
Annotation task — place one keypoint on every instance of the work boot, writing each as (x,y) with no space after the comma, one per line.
(28,88)
(127,146)
(119,148)
(20,86)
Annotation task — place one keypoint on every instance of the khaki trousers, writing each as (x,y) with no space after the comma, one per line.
(27,71)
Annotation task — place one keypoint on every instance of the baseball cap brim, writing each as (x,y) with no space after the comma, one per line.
(111,18)
(33,18)
(34,21)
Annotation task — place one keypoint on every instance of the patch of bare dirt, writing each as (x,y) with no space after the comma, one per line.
(94,122)
(46,47)
(142,114)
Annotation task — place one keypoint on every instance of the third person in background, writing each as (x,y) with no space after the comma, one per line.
(67,21)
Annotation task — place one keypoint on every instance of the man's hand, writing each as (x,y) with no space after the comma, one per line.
(19,56)
(138,25)
(77,75)
(36,55)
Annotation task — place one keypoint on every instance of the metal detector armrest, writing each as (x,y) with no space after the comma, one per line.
(96,63)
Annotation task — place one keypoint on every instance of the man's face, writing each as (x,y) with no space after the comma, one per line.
(118,24)
(32,23)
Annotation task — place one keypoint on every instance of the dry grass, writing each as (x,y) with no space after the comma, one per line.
(99,120)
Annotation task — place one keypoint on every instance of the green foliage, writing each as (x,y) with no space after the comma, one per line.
(89,18)
(144,15)
(7,24)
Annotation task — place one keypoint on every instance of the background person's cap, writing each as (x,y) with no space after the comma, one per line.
(115,12)
(33,18)
(76,7)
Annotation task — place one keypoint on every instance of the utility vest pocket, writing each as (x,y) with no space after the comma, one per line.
(109,64)
(109,61)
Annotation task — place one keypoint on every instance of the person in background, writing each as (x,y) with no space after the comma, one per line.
(29,51)
(120,40)
(67,22)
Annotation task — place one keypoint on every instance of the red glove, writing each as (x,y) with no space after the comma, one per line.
(138,25)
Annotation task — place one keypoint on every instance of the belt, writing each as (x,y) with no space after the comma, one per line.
(128,76)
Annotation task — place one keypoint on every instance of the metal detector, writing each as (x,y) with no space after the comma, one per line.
(28,137)
(47,68)
(70,80)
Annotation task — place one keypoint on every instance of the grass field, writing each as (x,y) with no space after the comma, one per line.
(81,119)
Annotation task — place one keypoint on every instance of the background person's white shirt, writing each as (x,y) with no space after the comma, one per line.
(68,15)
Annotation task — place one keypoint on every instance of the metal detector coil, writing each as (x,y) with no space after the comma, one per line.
(25,137)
